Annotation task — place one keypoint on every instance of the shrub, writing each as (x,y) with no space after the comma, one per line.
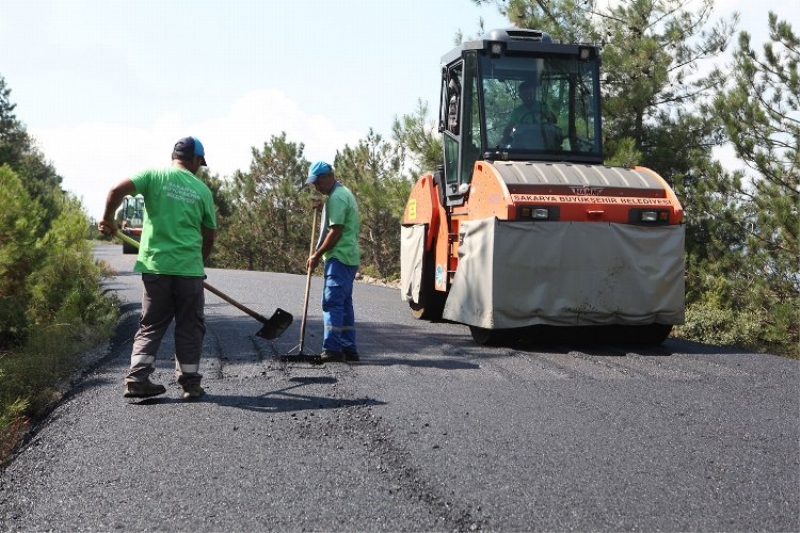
(52,308)
(753,329)
(20,219)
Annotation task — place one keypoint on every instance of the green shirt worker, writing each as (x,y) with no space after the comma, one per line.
(338,247)
(177,237)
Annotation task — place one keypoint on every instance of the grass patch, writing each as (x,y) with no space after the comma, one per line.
(34,377)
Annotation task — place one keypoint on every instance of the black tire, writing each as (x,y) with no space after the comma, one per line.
(430,305)
(128,249)
(651,334)
(486,337)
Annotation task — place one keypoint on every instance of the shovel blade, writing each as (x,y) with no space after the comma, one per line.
(276,325)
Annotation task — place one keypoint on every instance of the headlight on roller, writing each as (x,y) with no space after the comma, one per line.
(648,216)
(538,212)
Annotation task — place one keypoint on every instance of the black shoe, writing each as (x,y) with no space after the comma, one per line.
(328,356)
(143,389)
(350,355)
(193,392)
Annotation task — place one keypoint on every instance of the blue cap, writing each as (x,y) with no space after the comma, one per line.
(188,147)
(317,169)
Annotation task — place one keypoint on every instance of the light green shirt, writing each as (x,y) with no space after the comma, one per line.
(177,205)
(341,209)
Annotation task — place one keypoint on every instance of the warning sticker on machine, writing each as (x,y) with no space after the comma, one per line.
(439,276)
(412,209)
(559,199)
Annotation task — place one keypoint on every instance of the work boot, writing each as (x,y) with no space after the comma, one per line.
(329,356)
(143,389)
(350,355)
(193,392)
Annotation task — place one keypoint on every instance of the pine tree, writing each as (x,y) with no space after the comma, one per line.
(265,229)
(761,116)
(372,171)
(18,150)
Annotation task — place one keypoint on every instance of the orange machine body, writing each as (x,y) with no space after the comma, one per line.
(580,193)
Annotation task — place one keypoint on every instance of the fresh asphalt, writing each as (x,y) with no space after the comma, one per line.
(428,432)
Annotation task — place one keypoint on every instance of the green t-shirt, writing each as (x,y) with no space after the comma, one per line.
(177,205)
(341,209)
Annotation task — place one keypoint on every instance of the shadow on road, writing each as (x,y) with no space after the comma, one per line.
(277,401)
(441,364)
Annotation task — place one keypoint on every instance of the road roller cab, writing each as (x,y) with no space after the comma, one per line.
(523,225)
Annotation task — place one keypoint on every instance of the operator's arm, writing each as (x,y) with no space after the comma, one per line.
(208,241)
(333,236)
(114,199)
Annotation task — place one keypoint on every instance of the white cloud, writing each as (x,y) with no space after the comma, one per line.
(92,157)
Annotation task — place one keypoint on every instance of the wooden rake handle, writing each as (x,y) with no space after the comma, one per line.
(308,282)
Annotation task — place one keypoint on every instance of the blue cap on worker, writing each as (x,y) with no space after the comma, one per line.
(188,147)
(317,169)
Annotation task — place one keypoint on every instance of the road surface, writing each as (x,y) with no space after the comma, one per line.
(428,432)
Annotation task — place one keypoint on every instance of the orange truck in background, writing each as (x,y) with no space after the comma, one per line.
(523,225)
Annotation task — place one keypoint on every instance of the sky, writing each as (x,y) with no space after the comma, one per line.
(106,87)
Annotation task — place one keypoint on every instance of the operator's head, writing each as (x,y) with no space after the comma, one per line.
(320,175)
(527,91)
(190,152)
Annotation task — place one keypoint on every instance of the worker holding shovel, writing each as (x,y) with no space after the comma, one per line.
(178,235)
(338,247)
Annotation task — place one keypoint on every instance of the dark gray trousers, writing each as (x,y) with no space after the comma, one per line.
(166,298)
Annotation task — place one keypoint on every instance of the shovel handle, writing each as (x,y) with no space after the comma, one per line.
(208,287)
(121,236)
(236,304)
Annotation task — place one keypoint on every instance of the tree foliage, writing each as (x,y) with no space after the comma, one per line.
(372,171)
(264,229)
(19,256)
(47,274)
(18,150)
(418,143)
(755,267)
(13,137)
(47,279)
(268,221)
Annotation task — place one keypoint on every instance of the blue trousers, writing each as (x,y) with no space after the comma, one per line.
(337,307)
